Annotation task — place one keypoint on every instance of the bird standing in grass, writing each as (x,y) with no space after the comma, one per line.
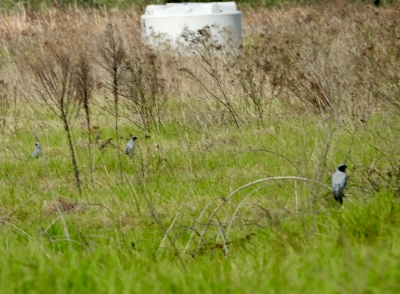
(130,146)
(339,180)
(38,150)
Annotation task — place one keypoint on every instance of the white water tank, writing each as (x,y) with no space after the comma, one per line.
(171,19)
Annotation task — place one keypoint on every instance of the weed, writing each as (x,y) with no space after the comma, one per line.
(229,188)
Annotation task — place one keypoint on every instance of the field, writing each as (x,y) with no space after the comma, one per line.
(228,190)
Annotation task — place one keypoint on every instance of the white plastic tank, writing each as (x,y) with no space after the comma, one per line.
(170,20)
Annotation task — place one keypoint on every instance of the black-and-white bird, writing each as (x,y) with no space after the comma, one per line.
(130,146)
(339,180)
(38,150)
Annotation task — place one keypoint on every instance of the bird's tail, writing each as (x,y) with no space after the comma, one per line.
(338,196)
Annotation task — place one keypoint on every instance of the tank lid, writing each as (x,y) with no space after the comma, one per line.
(185,9)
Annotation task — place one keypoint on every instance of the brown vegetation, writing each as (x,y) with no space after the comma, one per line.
(333,58)
(333,61)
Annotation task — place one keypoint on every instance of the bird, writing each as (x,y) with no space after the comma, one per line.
(130,146)
(104,144)
(97,137)
(376,2)
(38,150)
(339,180)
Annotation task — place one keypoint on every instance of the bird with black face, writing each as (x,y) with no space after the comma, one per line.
(339,180)
(130,146)
(38,150)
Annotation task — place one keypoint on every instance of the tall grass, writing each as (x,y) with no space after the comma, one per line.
(141,4)
(229,186)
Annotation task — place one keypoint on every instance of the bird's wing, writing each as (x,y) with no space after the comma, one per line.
(344,181)
(35,152)
(129,146)
(338,181)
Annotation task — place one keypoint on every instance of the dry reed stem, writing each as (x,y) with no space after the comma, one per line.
(16,227)
(214,212)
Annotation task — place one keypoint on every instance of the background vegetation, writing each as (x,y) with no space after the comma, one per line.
(141,4)
(229,187)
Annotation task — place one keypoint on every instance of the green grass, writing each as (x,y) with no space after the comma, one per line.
(321,250)
(336,258)
(195,174)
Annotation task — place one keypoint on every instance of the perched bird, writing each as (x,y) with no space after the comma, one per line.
(376,2)
(104,144)
(97,137)
(339,180)
(38,150)
(130,146)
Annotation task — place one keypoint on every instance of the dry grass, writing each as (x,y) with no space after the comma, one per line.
(308,84)
(333,57)
(337,61)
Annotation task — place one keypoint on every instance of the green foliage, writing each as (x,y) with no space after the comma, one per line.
(205,205)
(337,250)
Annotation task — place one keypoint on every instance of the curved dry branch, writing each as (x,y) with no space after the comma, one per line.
(199,244)
(198,221)
(15,227)
(237,210)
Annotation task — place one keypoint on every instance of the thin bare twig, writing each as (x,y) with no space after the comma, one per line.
(199,244)
(15,227)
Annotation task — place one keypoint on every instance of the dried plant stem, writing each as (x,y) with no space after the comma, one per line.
(294,165)
(233,218)
(117,139)
(194,230)
(214,212)
(56,89)
(155,217)
(221,233)
(73,157)
(113,55)
(15,227)
(167,232)
(84,88)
